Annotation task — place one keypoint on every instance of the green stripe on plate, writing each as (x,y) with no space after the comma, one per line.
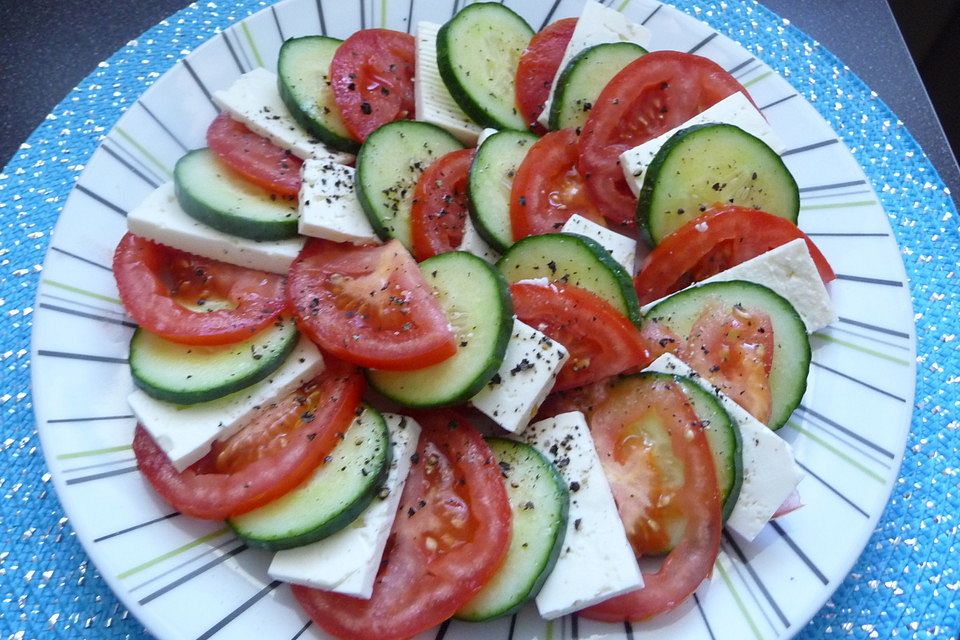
(837,452)
(857,347)
(839,205)
(83,292)
(757,79)
(253,45)
(93,452)
(736,597)
(172,553)
(623,5)
(144,151)
(383,14)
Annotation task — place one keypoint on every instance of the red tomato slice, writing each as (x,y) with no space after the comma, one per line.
(156,281)
(600,340)
(658,92)
(368,305)
(254,157)
(538,65)
(450,535)
(548,189)
(372,79)
(717,240)
(440,209)
(274,453)
(616,424)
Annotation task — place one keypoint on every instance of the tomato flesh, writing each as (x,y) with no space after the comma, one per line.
(371,75)
(451,534)
(254,157)
(368,305)
(279,449)
(538,65)
(657,92)
(440,206)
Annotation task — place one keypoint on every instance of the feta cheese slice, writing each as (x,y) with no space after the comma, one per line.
(433,101)
(770,472)
(620,247)
(161,218)
(473,243)
(254,100)
(329,207)
(486,133)
(596,561)
(530,367)
(347,562)
(185,433)
(735,109)
(790,271)
(597,24)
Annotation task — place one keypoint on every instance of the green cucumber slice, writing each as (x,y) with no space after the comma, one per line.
(303,79)
(539,501)
(574,259)
(337,492)
(216,196)
(389,163)
(477,303)
(711,164)
(187,374)
(477,55)
(490,181)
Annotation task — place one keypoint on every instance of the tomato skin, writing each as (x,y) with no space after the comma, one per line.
(719,239)
(451,534)
(371,76)
(254,157)
(657,92)
(601,341)
(283,449)
(152,277)
(538,65)
(368,305)
(547,188)
(440,209)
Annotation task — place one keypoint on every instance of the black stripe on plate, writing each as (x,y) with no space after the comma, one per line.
(90,419)
(323,23)
(163,126)
(303,630)
(152,180)
(628,629)
(809,147)
(843,194)
(92,316)
(203,87)
(873,327)
(756,578)
(76,303)
(100,199)
(243,51)
(703,616)
(98,465)
(276,21)
(81,258)
(120,532)
(826,234)
(442,631)
(747,72)
(233,615)
(833,489)
(193,574)
(100,476)
(513,618)
(410,16)
(740,66)
(653,13)
(363,13)
(703,42)
(133,162)
(233,52)
(860,382)
(800,553)
(546,19)
(835,185)
(844,430)
(780,101)
(866,280)
(81,356)
(574,626)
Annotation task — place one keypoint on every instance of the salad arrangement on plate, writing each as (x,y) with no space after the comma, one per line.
(398,243)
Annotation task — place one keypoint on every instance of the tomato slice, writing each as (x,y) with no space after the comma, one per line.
(719,239)
(451,534)
(538,65)
(372,79)
(369,305)
(600,340)
(548,189)
(646,500)
(165,291)
(274,453)
(658,92)
(254,157)
(440,207)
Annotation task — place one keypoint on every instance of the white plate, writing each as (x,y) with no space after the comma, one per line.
(190,579)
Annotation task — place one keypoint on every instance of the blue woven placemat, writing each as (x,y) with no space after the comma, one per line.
(904,585)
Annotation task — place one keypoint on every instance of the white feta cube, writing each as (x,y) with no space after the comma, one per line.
(329,207)
(620,247)
(433,101)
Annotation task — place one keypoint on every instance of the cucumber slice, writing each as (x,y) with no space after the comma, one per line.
(490,181)
(539,501)
(216,196)
(303,80)
(477,54)
(187,374)
(584,77)
(337,492)
(708,164)
(389,164)
(477,303)
(791,357)
(574,259)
